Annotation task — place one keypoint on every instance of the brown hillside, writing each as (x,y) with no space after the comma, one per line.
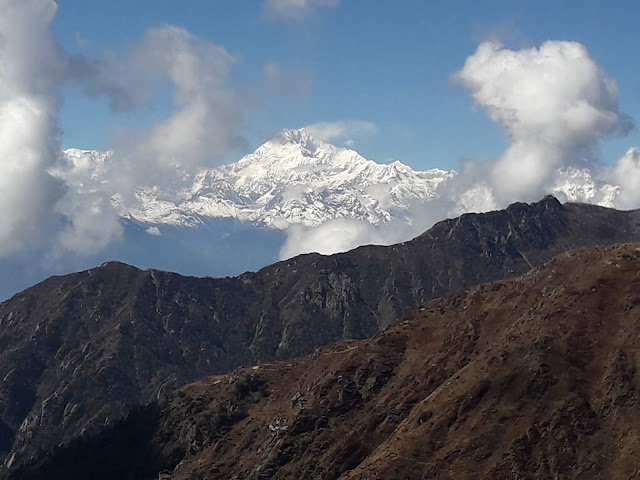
(81,351)
(527,378)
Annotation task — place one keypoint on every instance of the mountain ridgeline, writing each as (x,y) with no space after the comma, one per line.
(533,377)
(79,352)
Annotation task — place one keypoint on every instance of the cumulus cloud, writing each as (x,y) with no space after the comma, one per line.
(48,200)
(626,175)
(38,209)
(203,125)
(333,236)
(553,102)
(207,112)
(343,131)
(295,9)
(31,69)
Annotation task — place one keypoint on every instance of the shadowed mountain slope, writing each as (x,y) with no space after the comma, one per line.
(80,351)
(533,377)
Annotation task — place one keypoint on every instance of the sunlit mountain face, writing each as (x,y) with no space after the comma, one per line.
(292,179)
(296,179)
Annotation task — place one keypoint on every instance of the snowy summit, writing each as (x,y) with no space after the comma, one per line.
(293,178)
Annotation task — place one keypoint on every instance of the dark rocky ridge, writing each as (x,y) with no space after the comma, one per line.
(528,378)
(78,352)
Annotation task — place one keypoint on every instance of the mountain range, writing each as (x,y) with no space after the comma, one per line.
(532,377)
(296,179)
(267,206)
(293,178)
(79,352)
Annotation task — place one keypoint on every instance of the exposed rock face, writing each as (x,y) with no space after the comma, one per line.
(527,378)
(80,351)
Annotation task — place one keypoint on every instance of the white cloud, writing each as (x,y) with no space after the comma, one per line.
(626,174)
(477,199)
(333,236)
(153,231)
(295,9)
(343,234)
(91,224)
(553,102)
(344,131)
(31,70)
(38,209)
(204,124)
(201,129)
(207,112)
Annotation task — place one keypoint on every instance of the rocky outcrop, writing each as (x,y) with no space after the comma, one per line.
(79,352)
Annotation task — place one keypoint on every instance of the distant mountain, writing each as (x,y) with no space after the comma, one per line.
(234,218)
(296,179)
(80,351)
(533,377)
(291,179)
(216,247)
(578,185)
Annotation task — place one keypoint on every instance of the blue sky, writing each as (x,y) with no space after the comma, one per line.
(379,61)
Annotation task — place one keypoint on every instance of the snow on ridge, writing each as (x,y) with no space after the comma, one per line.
(295,178)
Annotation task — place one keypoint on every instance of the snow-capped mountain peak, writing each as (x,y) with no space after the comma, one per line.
(295,178)
(298,137)
(295,149)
